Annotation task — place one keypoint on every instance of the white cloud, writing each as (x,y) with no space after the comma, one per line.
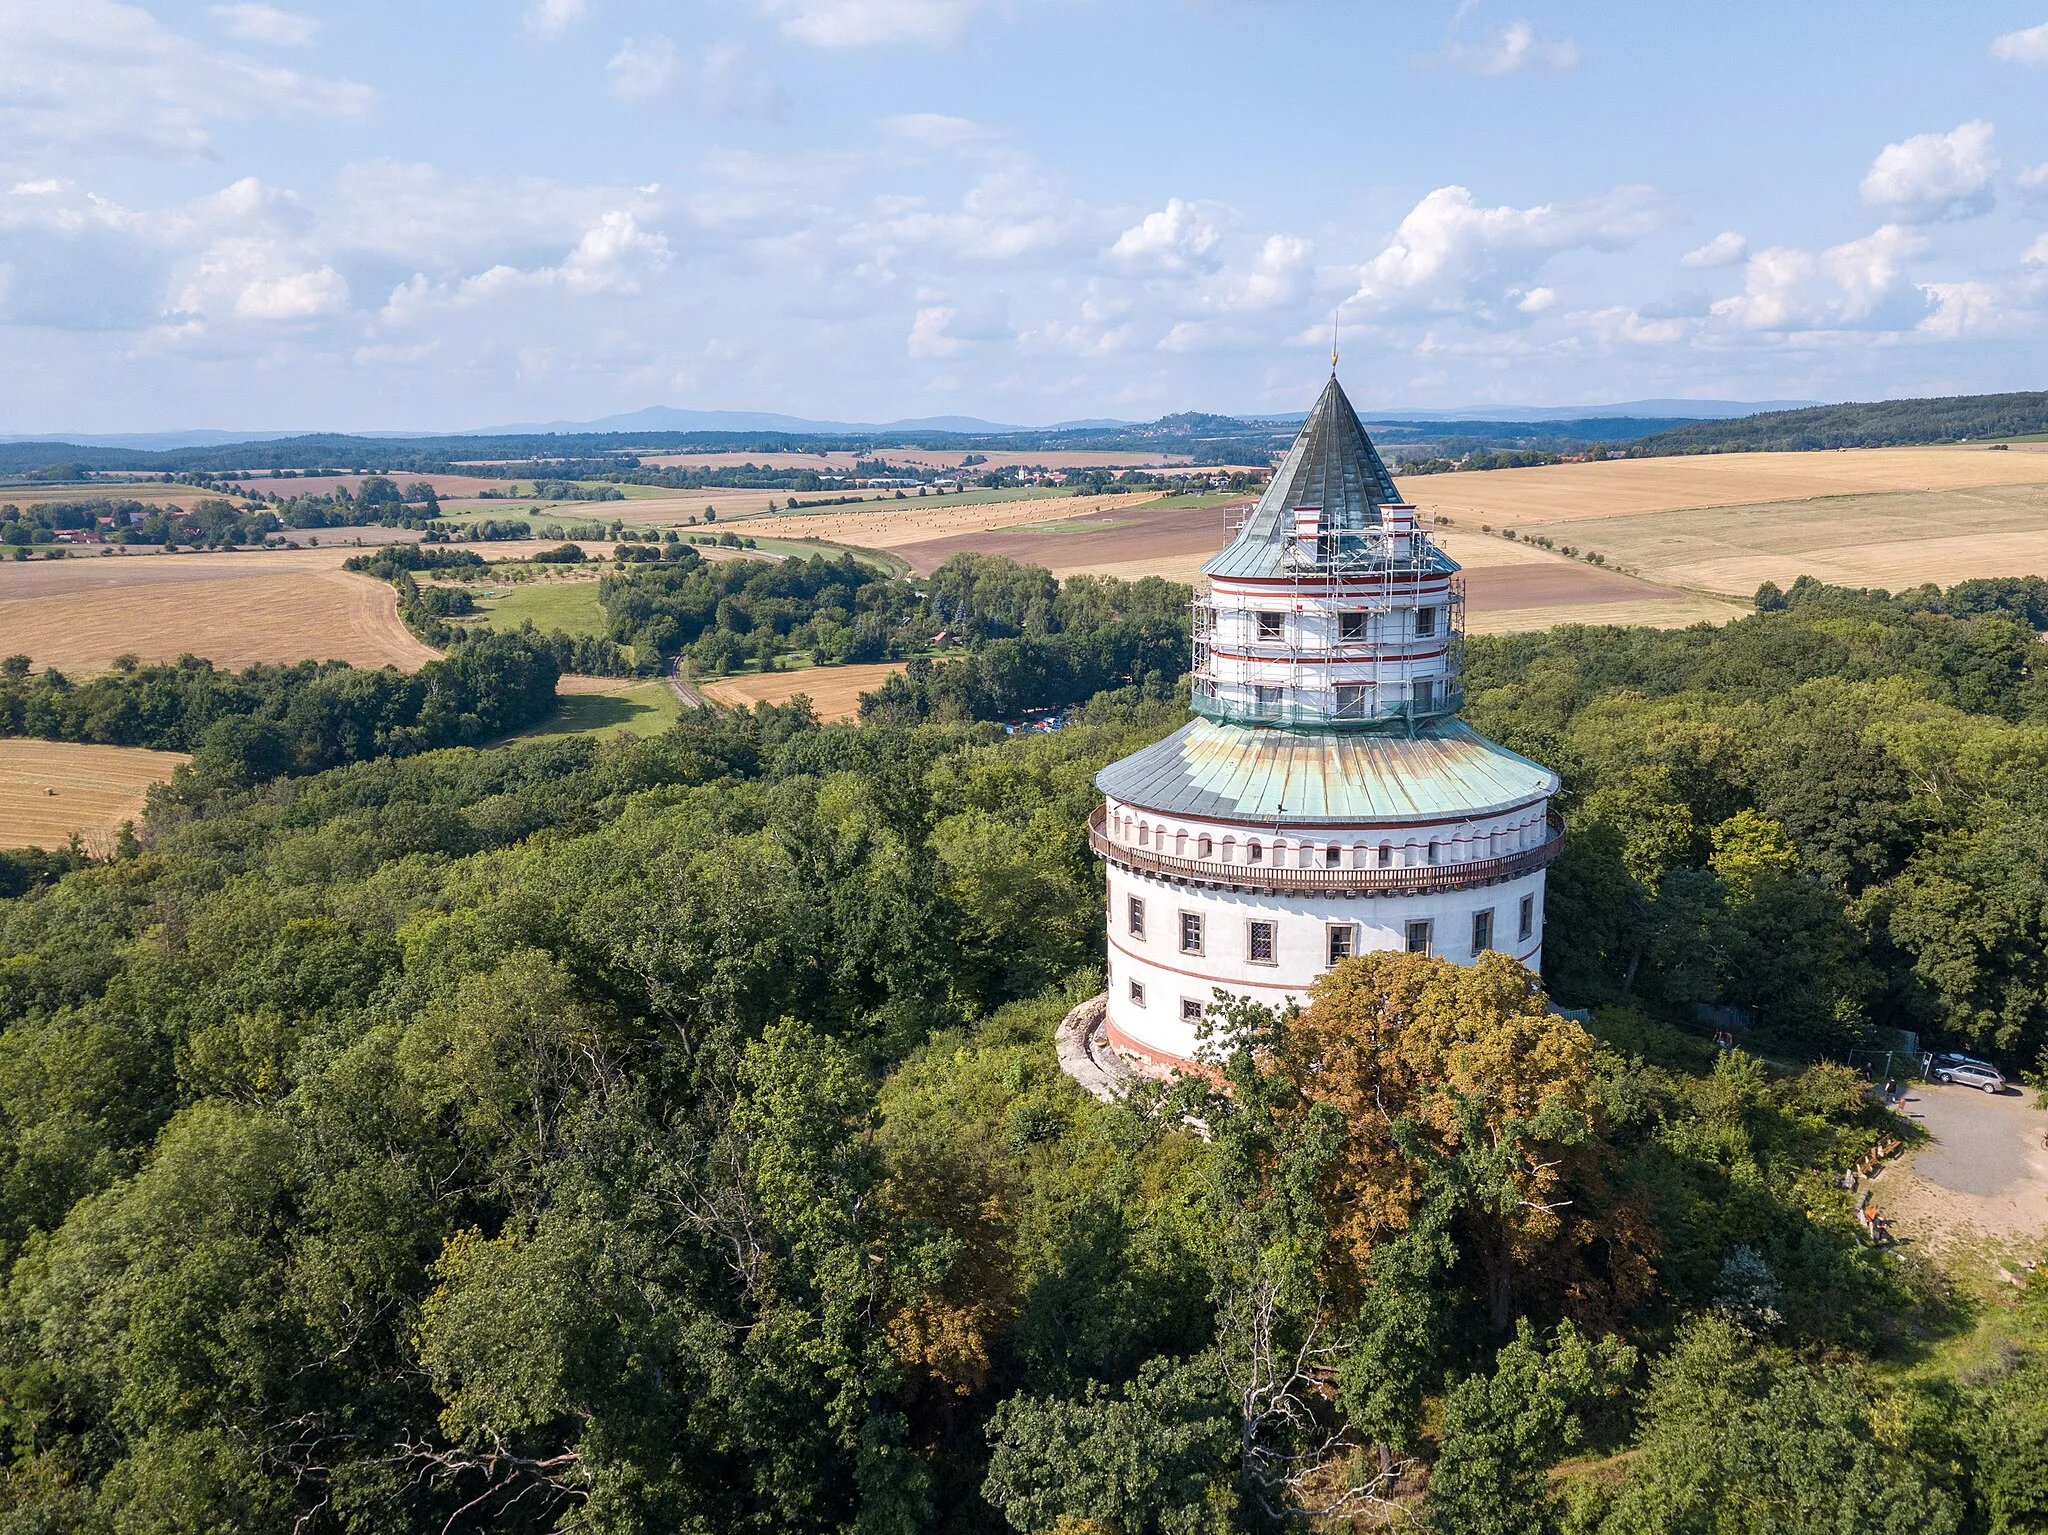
(1504,50)
(1725,249)
(1448,245)
(2034,178)
(48,186)
(555,15)
(1277,275)
(1535,301)
(1935,175)
(1961,308)
(940,131)
(2024,47)
(253,278)
(928,336)
(1172,239)
(1857,283)
(613,256)
(865,23)
(96,75)
(2038,251)
(642,68)
(264,24)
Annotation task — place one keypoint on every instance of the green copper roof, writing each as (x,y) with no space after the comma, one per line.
(1446,770)
(1332,465)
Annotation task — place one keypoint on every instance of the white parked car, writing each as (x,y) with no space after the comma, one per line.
(1971,1074)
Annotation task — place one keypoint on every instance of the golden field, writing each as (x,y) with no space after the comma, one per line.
(834,691)
(280,605)
(50,789)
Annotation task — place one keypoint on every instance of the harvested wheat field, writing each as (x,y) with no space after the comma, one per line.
(1147,539)
(834,691)
(50,789)
(1521,498)
(78,615)
(894,525)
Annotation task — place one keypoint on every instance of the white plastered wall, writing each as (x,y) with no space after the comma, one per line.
(1301,931)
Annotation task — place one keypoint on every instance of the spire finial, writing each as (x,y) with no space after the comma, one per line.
(1333,340)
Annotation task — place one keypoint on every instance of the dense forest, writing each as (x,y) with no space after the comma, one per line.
(1875,424)
(666,1135)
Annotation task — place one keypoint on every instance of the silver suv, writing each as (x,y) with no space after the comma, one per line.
(1970,1074)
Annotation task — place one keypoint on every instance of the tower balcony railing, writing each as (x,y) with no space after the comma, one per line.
(1316,713)
(1323,879)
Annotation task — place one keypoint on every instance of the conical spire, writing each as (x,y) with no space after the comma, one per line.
(1332,481)
(1332,465)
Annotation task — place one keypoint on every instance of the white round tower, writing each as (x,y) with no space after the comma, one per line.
(1327,800)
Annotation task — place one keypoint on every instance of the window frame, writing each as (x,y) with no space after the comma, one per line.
(1340,936)
(1526,921)
(1200,945)
(1269,627)
(1425,929)
(1425,623)
(1251,941)
(1482,943)
(1134,916)
(1137,993)
(1353,628)
(1191,1010)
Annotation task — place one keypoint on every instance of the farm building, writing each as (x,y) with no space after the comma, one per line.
(1327,799)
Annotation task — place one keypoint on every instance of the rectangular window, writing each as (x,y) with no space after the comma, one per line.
(1528,922)
(1191,932)
(1350,626)
(1259,943)
(1425,623)
(1270,626)
(1386,855)
(1266,697)
(1190,1010)
(1137,993)
(1137,918)
(1482,931)
(1332,854)
(1425,693)
(1351,699)
(1418,937)
(1342,944)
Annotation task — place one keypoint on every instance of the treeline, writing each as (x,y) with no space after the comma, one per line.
(667,1135)
(1877,424)
(721,615)
(426,610)
(1037,643)
(1830,816)
(268,721)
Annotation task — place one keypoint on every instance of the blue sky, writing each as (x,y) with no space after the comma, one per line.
(455,213)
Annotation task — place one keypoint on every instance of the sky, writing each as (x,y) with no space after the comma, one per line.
(451,214)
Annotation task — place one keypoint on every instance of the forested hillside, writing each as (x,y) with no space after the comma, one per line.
(1875,424)
(666,1136)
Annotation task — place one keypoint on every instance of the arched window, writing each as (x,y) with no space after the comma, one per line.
(1435,852)
(1180,843)
(1386,855)
(1230,850)
(1144,834)
(1204,847)
(1253,852)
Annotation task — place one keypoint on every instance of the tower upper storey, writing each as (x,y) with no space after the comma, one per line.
(1332,608)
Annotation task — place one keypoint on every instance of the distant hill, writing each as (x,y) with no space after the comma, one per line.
(1878,424)
(668,418)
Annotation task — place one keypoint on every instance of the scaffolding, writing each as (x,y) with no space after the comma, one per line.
(1333,572)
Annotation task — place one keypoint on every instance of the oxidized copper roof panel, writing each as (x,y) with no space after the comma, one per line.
(1446,771)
